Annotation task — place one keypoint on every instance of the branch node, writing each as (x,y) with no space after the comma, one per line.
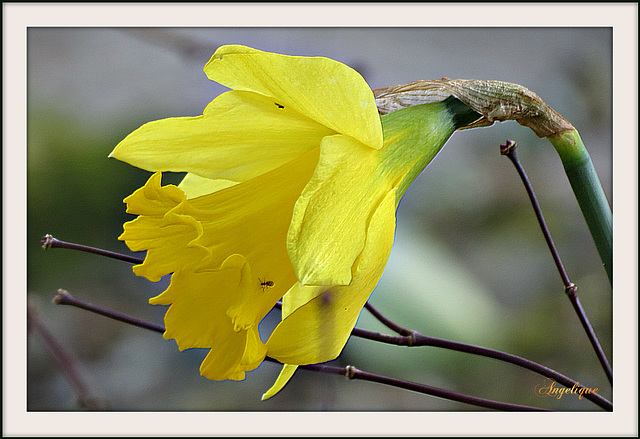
(47,241)
(571,290)
(62,298)
(350,372)
(508,147)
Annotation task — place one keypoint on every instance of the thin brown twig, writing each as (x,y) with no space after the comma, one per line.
(49,241)
(385,321)
(509,150)
(65,362)
(408,337)
(419,340)
(352,372)
(64,298)
(416,339)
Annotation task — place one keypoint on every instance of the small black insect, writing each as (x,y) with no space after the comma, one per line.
(278,105)
(264,284)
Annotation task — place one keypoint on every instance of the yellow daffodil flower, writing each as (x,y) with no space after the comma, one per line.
(292,184)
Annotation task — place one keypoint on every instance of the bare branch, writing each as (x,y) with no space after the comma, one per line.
(509,150)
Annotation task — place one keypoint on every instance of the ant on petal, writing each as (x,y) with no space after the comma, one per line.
(265,284)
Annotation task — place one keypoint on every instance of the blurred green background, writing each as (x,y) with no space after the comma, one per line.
(469,262)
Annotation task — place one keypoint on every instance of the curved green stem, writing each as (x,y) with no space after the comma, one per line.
(588,191)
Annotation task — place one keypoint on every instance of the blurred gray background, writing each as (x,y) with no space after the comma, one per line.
(469,262)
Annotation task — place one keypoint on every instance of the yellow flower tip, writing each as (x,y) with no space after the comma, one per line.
(238,376)
(153,199)
(142,270)
(230,49)
(209,371)
(117,151)
(121,151)
(285,375)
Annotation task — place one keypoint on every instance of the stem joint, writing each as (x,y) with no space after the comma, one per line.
(571,289)
(350,372)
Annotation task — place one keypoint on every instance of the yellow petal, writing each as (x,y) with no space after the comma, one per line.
(151,200)
(239,136)
(255,350)
(195,186)
(165,227)
(318,330)
(197,317)
(297,296)
(223,360)
(285,375)
(251,218)
(330,219)
(322,89)
(220,363)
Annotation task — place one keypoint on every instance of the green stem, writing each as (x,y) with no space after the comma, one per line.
(588,191)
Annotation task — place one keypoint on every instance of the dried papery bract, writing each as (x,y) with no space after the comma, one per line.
(495,100)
